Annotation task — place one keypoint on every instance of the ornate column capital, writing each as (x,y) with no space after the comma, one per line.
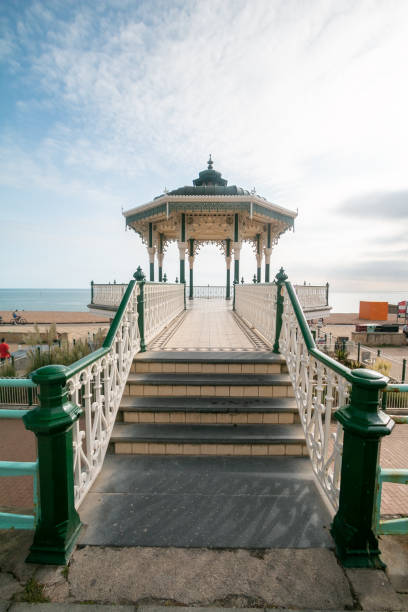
(191,260)
(151,251)
(160,259)
(182,246)
(259,259)
(237,249)
(268,253)
(228,261)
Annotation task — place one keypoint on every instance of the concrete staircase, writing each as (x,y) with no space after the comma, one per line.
(208,403)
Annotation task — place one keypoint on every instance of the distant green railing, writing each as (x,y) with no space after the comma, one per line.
(9,520)
(392,475)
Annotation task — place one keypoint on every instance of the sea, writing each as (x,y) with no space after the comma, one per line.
(76,300)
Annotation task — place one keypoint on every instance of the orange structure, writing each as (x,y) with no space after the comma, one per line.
(374,311)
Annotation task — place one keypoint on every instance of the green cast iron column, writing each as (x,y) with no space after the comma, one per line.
(191,262)
(140,278)
(280,281)
(92,292)
(59,524)
(236,270)
(183,249)
(228,261)
(160,258)
(268,253)
(237,247)
(182,271)
(258,258)
(364,425)
(151,253)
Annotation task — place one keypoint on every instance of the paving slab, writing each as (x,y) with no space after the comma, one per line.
(69,607)
(394,552)
(216,502)
(373,590)
(284,578)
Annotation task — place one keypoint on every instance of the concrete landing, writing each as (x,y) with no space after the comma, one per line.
(211,502)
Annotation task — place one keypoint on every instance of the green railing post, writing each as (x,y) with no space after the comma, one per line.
(364,425)
(141,280)
(59,524)
(280,281)
(404,368)
(358,351)
(92,292)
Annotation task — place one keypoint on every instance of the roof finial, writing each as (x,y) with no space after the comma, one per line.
(210,163)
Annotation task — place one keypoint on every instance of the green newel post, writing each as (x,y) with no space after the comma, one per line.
(364,425)
(280,279)
(59,523)
(140,278)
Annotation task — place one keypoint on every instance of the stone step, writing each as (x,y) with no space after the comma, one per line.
(226,440)
(214,410)
(209,362)
(209,385)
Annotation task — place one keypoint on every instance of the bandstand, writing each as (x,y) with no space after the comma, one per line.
(210,211)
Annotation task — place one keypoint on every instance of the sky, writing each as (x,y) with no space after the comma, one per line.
(104,104)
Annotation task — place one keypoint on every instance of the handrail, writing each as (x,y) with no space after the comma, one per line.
(88,360)
(309,340)
(21,383)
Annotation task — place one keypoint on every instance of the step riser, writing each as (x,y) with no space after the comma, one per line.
(224,450)
(140,390)
(139,367)
(198,418)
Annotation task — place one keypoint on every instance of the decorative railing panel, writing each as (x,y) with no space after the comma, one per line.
(319,390)
(256,304)
(210,292)
(310,296)
(17,392)
(162,302)
(97,387)
(108,295)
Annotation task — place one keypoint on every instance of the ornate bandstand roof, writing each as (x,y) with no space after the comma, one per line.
(210,207)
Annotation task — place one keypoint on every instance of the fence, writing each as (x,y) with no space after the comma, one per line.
(10,520)
(256,304)
(107,295)
(22,394)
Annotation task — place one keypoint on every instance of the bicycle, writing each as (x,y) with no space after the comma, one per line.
(18,321)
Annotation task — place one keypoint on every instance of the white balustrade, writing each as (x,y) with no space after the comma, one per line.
(319,391)
(97,389)
(256,304)
(108,295)
(310,296)
(162,303)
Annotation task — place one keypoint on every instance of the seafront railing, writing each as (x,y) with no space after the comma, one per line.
(340,412)
(77,411)
(107,295)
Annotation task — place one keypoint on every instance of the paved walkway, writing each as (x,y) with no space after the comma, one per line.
(209,325)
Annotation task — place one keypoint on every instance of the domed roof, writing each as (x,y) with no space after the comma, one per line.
(209,182)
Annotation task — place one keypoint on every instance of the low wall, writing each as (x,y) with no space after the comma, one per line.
(379,338)
(19,337)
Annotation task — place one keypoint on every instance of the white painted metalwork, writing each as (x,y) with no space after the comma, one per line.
(256,304)
(311,296)
(319,391)
(162,302)
(11,395)
(209,291)
(108,295)
(97,389)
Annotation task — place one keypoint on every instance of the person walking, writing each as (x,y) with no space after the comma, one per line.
(4,350)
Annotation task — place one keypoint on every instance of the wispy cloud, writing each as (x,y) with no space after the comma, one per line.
(381,205)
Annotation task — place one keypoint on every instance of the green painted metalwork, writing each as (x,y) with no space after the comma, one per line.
(12,414)
(273,214)
(140,279)
(228,285)
(209,206)
(258,275)
(148,212)
(404,369)
(182,271)
(280,279)
(151,271)
(236,270)
(150,234)
(160,274)
(267,272)
(364,425)
(92,292)
(268,240)
(59,524)
(396,476)
(183,227)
